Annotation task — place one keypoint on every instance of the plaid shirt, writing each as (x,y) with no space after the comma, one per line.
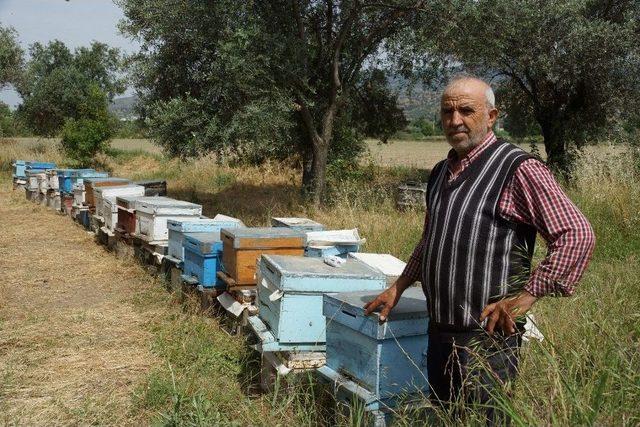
(533,197)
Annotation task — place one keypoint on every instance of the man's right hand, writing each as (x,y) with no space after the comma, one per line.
(388,299)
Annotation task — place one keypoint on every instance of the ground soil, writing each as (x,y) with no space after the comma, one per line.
(74,341)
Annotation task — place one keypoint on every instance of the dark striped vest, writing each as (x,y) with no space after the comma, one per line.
(472,255)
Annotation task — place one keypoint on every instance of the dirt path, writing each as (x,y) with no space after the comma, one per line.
(73,341)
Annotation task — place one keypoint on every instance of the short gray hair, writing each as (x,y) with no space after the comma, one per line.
(491,98)
(489,95)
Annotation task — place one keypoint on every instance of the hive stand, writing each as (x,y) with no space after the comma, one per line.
(149,253)
(381,410)
(167,266)
(206,296)
(96,222)
(239,304)
(275,366)
(107,238)
(123,244)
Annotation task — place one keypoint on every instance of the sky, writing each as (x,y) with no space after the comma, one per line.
(75,22)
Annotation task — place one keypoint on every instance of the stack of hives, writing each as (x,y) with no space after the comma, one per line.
(293,283)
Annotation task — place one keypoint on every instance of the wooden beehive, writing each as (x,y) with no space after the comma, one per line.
(243,246)
(156,187)
(101,194)
(91,183)
(387,360)
(290,296)
(202,253)
(152,214)
(126,206)
(178,227)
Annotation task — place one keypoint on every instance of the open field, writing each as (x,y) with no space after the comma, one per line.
(184,370)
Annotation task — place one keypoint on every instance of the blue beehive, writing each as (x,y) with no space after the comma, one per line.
(20,167)
(178,227)
(379,362)
(202,256)
(290,292)
(302,224)
(67,178)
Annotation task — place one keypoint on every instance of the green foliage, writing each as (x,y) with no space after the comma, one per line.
(131,129)
(59,85)
(377,108)
(89,135)
(8,123)
(257,80)
(11,57)
(573,65)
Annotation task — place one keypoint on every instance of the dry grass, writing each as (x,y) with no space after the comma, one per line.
(73,345)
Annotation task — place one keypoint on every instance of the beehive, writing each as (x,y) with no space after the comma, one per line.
(103,193)
(152,214)
(243,247)
(202,258)
(178,227)
(91,183)
(154,187)
(290,295)
(126,206)
(67,178)
(387,359)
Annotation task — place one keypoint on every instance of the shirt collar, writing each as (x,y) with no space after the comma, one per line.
(477,150)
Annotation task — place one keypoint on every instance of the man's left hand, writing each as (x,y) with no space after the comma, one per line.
(502,313)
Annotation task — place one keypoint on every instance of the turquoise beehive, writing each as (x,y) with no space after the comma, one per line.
(290,290)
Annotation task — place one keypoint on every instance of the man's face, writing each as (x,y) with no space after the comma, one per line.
(466,118)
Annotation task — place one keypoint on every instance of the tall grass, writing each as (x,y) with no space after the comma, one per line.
(586,371)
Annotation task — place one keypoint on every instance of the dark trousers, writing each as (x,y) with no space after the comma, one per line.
(472,368)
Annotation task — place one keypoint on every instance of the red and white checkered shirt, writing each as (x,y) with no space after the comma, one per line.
(533,197)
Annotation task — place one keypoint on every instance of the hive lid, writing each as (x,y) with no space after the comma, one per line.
(167,205)
(90,180)
(297,266)
(152,182)
(265,235)
(207,243)
(128,189)
(296,222)
(412,304)
(334,237)
(387,263)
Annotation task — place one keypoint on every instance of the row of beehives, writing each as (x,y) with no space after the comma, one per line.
(299,288)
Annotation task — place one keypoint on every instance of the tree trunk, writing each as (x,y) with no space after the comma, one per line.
(307,169)
(559,159)
(319,170)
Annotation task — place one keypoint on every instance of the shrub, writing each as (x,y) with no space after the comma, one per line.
(84,138)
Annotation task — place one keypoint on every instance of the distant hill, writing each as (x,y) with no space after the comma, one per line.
(124,108)
(416,102)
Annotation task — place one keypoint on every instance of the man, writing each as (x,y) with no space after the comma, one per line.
(485,204)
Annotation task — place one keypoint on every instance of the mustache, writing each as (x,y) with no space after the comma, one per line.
(458,129)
